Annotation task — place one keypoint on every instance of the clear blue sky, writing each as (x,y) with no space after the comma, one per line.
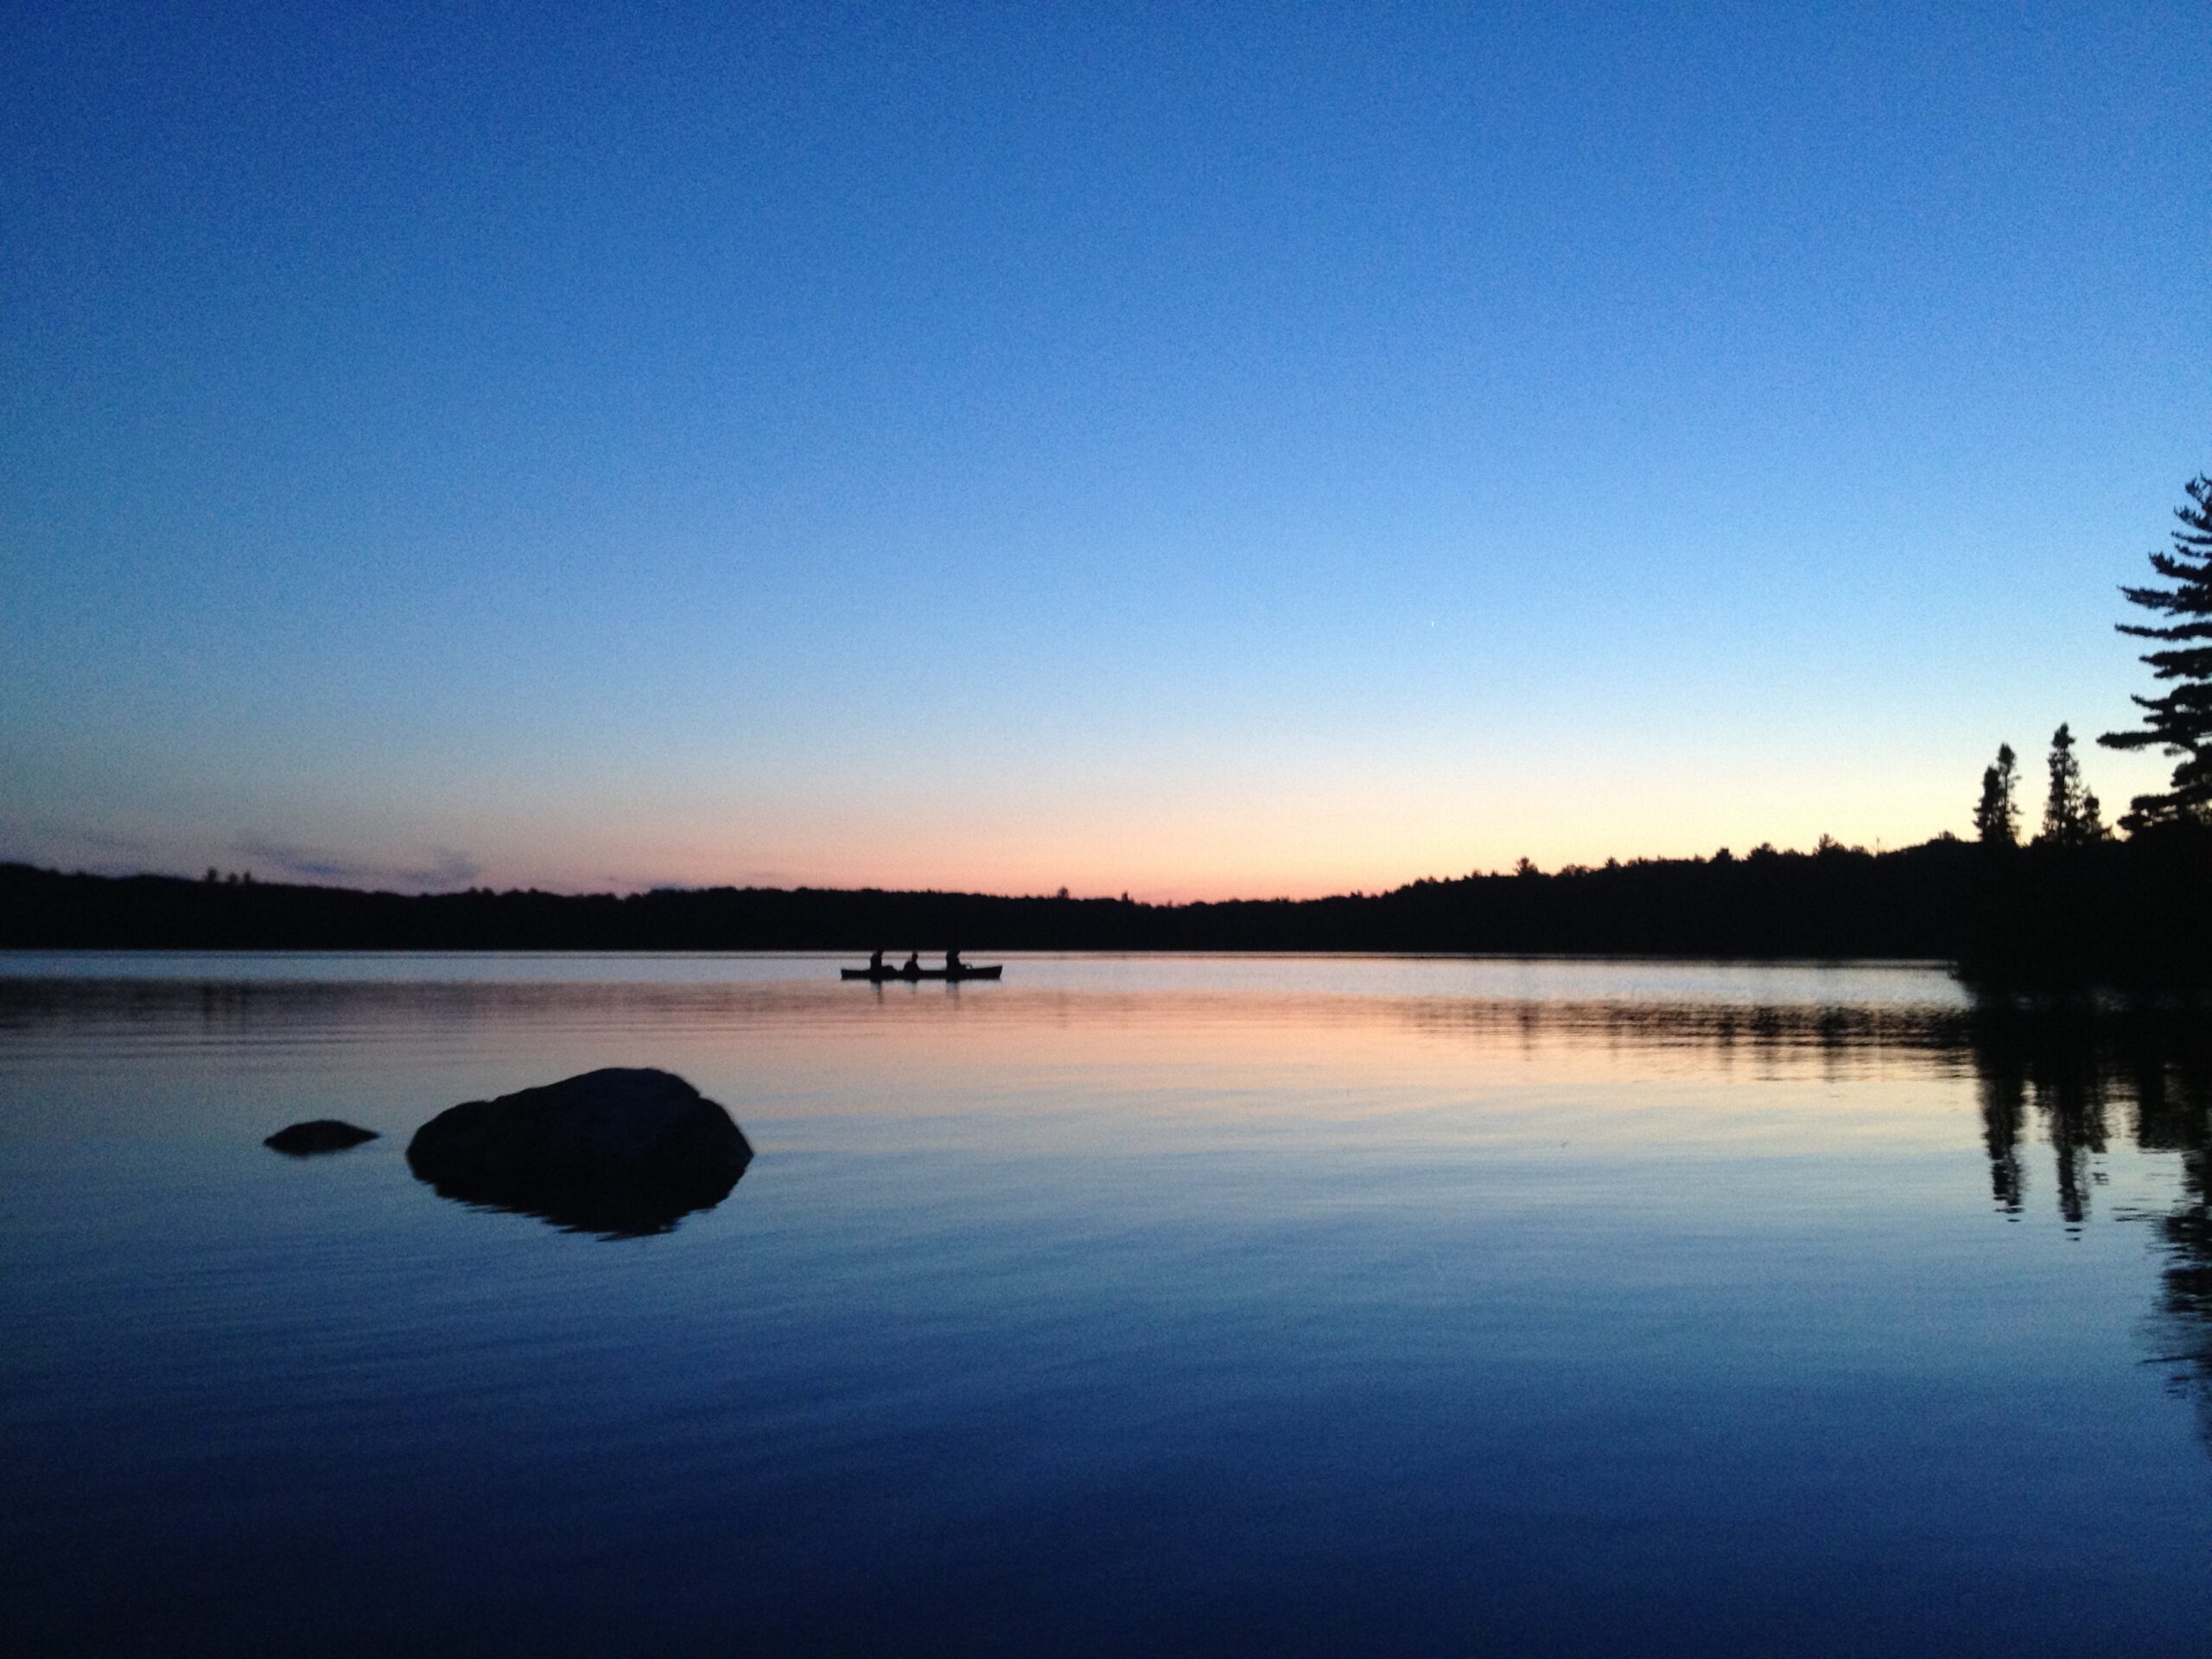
(1193,451)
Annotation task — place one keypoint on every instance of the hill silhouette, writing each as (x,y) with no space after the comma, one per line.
(2126,911)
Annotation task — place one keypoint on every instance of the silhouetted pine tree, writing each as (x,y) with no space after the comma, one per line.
(2179,720)
(2065,811)
(1996,820)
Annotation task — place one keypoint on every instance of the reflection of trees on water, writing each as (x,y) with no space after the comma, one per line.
(2165,1068)
(2075,1064)
(2080,1070)
(2057,1062)
(1834,1037)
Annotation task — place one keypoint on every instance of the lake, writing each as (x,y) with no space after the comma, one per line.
(1132,1305)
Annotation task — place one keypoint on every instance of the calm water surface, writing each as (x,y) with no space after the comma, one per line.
(1133,1304)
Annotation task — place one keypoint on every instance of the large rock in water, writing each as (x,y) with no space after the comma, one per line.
(620,1152)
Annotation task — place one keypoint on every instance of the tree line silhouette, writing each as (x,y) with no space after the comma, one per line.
(2053,910)
(2075,902)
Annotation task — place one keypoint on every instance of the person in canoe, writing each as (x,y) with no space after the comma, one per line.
(952,963)
(913,966)
(875,964)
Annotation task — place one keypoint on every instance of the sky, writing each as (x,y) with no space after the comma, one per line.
(1188,451)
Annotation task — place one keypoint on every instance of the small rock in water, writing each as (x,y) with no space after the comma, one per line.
(621,1151)
(320,1134)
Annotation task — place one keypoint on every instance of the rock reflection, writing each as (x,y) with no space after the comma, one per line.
(610,1207)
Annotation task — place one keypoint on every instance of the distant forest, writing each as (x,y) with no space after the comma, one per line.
(2132,911)
(2076,903)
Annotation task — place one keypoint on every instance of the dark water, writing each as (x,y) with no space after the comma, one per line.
(1130,1306)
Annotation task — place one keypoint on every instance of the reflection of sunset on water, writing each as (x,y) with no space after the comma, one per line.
(1453,1263)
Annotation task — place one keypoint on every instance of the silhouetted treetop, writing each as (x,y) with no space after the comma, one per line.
(1996,819)
(2178,720)
(2072,816)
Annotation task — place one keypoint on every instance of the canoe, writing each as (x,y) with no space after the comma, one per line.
(894,974)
